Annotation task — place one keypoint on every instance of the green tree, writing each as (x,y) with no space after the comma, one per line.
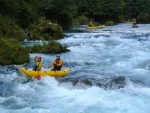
(60,11)
(9,7)
(143,6)
(131,9)
(101,9)
(82,7)
(29,12)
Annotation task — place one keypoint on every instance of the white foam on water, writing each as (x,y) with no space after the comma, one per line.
(48,96)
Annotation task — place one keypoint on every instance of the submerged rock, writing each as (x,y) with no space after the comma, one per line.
(116,82)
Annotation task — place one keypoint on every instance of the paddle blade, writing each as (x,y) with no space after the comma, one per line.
(39,77)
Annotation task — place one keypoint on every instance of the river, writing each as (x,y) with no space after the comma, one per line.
(109,74)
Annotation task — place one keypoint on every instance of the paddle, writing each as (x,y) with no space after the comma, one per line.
(38,77)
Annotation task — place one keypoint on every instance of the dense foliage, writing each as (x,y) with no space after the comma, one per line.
(65,11)
(11,53)
(51,47)
(10,30)
(45,30)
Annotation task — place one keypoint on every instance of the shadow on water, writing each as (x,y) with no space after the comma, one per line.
(77,29)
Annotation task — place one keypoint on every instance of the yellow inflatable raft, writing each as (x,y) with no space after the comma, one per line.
(96,27)
(45,72)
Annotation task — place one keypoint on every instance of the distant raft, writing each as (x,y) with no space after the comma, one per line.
(45,72)
(135,26)
(96,27)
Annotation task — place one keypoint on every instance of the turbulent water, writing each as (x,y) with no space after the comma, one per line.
(110,73)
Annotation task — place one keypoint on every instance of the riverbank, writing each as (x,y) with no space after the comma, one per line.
(11,34)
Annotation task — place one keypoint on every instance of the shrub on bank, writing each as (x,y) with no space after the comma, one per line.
(45,30)
(143,18)
(110,23)
(10,29)
(50,48)
(81,20)
(12,53)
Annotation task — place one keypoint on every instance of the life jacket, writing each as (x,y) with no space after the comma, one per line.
(39,64)
(57,61)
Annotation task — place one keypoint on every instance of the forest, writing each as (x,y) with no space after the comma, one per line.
(70,12)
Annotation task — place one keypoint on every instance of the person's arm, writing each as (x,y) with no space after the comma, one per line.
(35,59)
(51,64)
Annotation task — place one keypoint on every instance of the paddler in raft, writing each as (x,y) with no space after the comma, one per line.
(134,24)
(38,62)
(90,24)
(57,63)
